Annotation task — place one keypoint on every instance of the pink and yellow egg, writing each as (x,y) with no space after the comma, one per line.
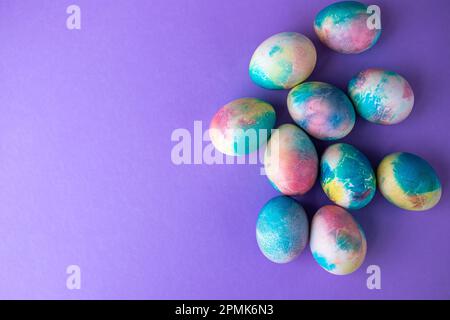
(291,162)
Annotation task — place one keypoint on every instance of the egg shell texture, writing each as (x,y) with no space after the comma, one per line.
(282,229)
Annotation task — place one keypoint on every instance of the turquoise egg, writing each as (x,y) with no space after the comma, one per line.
(282,229)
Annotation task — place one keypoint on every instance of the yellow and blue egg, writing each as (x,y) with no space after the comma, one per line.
(283,61)
(409,182)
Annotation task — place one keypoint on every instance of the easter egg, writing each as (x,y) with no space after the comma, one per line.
(242,126)
(381,96)
(408,181)
(346,176)
(337,242)
(343,27)
(322,110)
(283,61)
(290,160)
(282,229)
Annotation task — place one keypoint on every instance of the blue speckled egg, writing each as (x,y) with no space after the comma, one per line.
(282,229)
(346,176)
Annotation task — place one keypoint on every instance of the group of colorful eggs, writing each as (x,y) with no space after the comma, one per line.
(325,112)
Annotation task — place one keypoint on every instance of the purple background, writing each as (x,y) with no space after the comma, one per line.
(86,175)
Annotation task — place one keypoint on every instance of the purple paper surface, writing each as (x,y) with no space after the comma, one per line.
(86,176)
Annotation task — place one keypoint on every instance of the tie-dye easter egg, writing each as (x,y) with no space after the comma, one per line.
(337,242)
(381,96)
(345,27)
(409,182)
(282,229)
(346,176)
(242,126)
(290,160)
(283,61)
(322,110)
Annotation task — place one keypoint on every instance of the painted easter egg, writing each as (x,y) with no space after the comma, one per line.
(346,176)
(242,126)
(282,229)
(290,160)
(283,61)
(337,242)
(322,110)
(347,27)
(381,96)
(409,182)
